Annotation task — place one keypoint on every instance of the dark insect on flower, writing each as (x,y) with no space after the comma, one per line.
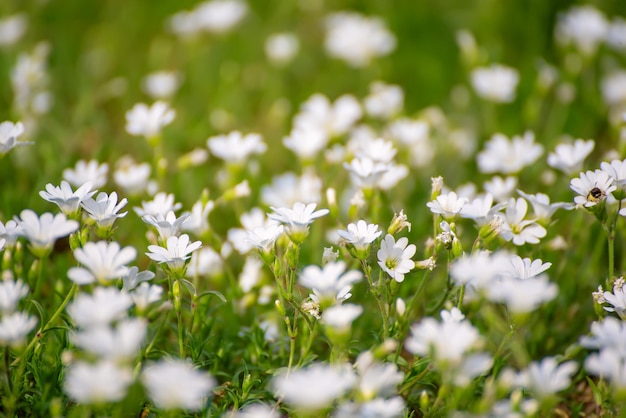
(595,194)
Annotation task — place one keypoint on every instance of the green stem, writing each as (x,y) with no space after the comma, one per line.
(47,326)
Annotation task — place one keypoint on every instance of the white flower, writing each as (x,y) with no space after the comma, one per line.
(472,366)
(12,28)
(10,232)
(104,261)
(104,209)
(523,296)
(288,189)
(306,143)
(256,410)
(384,100)
(360,235)
(134,277)
(104,306)
(235,147)
(131,177)
(146,294)
(616,169)
(592,187)
(448,205)
(9,132)
(518,229)
(176,252)
(394,257)
(480,271)
(376,379)
(264,238)
(118,343)
(43,231)
(251,274)
(215,16)
(198,221)
(168,225)
(501,189)
(610,365)
(447,342)
(584,26)
(84,172)
(379,408)
(546,378)
(15,327)
(340,317)
(97,383)
(378,150)
(297,219)
(161,84)
(480,209)
(206,262)
(610,333)
(525,268)
(330,282)
(616,38)
(496,83)
(314,387)
(280,48)
(366,173)
(173,384)
(357,39)
(66,199)
(148,121)
(569,157)
(333,119)
(617,300)
(161,204)
(11,292)
(502,155)
(542,207)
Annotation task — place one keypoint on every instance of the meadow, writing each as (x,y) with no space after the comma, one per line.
(311,208)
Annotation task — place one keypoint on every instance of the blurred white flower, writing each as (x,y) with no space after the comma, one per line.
(341,317)
(569,157)
(131,177)
(255,410)
(616,37)
(65,198)
(496,83)
(542,207)
(84,172)
(306,143)
(104,261)
(97,383)
(173,384)
(280,48)
(118,343)
(11,292)
(148,121)
(384,100)
(15,327)
(357,39)
(377,150)
(613,87)
(394,257)
(523,296)
(235,147)
(480,209)
(500,188)
(502,155)
(545,378)
(334,119)
(145,294)
(330,283)
(583,26)
(198,221)
(315,387)
(104,306)
(134,277)
(205,262)
(215,16)
(10,232)
(161,84)
(610,365)
(12,28)
(366,173)
(162,204)
(378,407)
(264,238)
